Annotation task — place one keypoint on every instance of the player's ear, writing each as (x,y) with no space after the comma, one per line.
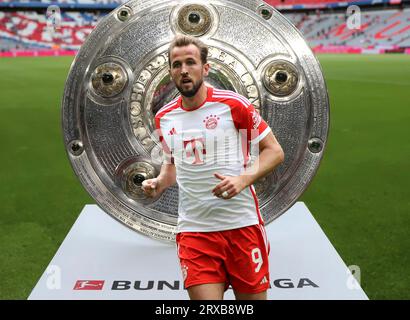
(206,69)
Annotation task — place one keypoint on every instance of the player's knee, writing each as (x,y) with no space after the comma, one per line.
(251,296)
(209,291)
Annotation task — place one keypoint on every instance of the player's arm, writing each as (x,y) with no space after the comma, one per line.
(270,156)
(166,178)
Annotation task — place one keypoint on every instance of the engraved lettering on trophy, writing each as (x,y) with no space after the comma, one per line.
(168,203)
(139,129)
(135,109)
(139,92)
(146,141)
(137,95)
(222,56)
(252,92)
(247,80)
(232,64)
(138,88)
(157,63)
(211,51)
(144,77)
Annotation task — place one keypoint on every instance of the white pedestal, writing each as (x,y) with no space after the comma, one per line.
(105,260)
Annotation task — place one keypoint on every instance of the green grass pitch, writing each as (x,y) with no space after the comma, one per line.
(360,196)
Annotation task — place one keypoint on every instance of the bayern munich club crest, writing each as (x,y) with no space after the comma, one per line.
(184,270)
(256,119)
(211,121)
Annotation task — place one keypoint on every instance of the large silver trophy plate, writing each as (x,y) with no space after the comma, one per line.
(119,80)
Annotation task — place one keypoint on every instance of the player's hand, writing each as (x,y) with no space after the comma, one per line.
(151,187)
(229,187)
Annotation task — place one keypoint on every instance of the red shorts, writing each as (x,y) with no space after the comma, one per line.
(238,257)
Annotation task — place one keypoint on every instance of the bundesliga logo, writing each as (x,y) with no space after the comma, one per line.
(89,285)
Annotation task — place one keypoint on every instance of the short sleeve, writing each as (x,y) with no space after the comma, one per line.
(250,120)
(167,154)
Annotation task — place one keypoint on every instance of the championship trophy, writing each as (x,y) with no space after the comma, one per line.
(120,79)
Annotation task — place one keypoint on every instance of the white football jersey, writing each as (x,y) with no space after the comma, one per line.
(216,137)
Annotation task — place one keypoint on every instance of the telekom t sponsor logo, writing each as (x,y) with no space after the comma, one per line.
(89,285)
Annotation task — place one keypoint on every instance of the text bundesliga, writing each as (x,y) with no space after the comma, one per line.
(161,284)
(209,309)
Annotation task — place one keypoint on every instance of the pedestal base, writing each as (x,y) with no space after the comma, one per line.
(102,259)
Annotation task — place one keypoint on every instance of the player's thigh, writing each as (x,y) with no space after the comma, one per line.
(201,259)
(208,291)
(248,265)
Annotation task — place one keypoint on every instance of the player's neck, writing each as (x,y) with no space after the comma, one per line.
(198,99)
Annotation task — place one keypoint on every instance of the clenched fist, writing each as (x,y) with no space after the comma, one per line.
(150,187)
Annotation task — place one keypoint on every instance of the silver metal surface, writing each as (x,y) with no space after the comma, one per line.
(108,80)
(281,78)
(120,79)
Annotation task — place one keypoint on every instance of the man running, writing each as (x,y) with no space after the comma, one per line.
(207,137)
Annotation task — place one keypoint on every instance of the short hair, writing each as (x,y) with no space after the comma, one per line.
(183,40)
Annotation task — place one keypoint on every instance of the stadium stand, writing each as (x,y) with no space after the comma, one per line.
(378,28)
(276,3)
(68,1)
(32,30)
(385,29)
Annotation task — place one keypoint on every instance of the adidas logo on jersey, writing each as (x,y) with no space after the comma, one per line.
(172,132)
(264,280)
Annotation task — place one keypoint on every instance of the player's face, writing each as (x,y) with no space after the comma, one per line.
(187,69)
